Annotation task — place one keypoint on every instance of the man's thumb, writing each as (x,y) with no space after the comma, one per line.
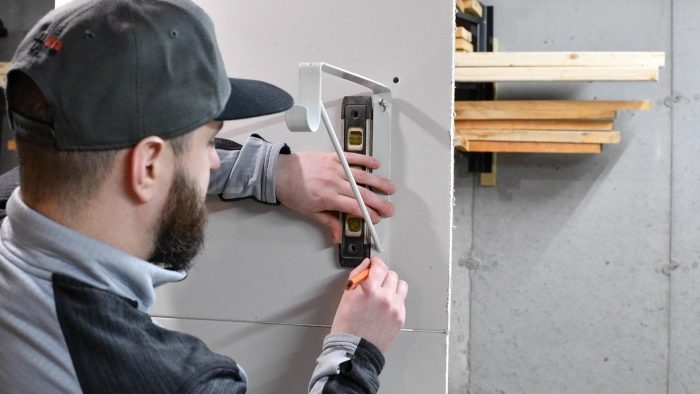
(332,223)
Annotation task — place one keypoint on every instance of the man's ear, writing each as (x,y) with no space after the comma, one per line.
(149,165)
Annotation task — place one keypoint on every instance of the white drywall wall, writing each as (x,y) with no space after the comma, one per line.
(269,270)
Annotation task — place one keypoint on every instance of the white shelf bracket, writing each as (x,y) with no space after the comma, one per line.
(309,111)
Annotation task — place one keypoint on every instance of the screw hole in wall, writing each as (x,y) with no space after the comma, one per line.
(396,79)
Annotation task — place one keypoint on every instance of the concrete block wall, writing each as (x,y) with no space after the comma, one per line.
(579,274)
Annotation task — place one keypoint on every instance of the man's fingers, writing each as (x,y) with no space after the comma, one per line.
(376,205)
(357,159)
(391,281)
(378,183)
(334,229)
(402,290)
(377,273)
(372,200)
(364,264)
(349,205)
(332,223)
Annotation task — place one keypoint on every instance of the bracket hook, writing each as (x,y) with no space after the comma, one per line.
(309,111)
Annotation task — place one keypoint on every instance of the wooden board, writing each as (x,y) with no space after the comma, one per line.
(528,147)
(471,7)
(534,74)
(505,114)
(544,109)
(461,32)
(463,45)
(555,105)
(562,59)
(578,137)
(538,124)
(4,68)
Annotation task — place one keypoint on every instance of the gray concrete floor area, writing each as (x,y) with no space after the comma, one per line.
(579,274)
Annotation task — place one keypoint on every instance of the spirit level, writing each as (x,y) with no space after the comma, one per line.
(309,111)
(355,244)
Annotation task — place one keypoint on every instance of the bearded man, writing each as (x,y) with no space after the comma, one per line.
(116,105)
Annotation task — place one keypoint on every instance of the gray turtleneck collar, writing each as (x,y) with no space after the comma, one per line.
(47,247)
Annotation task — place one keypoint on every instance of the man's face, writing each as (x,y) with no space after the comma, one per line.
(179,233)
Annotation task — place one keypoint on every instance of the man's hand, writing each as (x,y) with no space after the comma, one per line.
(314,184)
(375,309)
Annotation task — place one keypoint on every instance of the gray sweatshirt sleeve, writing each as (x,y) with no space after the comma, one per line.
(348,364)
(246,170)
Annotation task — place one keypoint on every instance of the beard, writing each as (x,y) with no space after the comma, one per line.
(179,234)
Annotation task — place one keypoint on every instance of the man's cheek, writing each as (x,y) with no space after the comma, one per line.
(204,184)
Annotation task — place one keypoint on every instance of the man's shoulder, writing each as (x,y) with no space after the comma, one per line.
(116,347)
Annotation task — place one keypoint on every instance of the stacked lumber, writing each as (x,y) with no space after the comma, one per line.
(473,7)
(557,66)
(539,126)
(463,40)
(4,68)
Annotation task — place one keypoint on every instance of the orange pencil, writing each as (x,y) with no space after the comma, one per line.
(357,279)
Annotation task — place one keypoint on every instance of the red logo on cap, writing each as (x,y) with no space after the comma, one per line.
(53,43)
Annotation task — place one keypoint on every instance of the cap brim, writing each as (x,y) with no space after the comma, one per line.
(250,98)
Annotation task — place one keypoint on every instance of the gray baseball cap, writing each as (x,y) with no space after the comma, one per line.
(117,71)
